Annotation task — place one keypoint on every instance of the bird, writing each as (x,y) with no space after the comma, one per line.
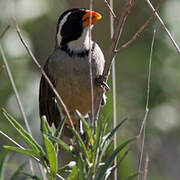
(68,68)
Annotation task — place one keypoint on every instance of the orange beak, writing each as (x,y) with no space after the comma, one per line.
(86,18)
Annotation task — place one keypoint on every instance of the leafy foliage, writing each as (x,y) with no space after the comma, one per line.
(89,162)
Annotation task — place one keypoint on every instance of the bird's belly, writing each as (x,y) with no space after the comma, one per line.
(73,85)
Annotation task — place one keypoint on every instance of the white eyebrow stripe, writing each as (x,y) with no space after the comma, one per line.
(64,19)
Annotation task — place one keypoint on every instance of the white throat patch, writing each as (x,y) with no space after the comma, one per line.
(82,43)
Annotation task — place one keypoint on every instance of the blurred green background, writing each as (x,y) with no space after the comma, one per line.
(38,18)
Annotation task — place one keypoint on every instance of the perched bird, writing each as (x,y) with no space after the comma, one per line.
(68,67)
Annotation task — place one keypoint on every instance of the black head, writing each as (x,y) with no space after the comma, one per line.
(72,23)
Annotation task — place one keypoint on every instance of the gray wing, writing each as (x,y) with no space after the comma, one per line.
(47,100)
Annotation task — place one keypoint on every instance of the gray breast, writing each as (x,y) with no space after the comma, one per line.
(72,77)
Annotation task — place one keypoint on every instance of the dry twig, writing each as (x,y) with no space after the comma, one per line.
(111,52)
(43,73)
(136,35)
(17,98)
(143,125)
(164,27)
(146,167)
(4,31)
(90,69)
(110,10)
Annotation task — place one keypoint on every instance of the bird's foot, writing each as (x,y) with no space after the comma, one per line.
(100,81)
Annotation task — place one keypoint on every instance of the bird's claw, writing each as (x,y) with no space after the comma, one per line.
(100,81)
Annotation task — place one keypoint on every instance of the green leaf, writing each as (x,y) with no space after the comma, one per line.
(87,128)
(52,156)
(68,166)
(28,152)
(80,169)
(115,129)
(60,128)
(74,174)
(98,139)
(25,135)
(17,172)
(67,148)
(111,158)
(81,144)
(106,140)
(98,134)
(132,176)
(45,126)
(3,158)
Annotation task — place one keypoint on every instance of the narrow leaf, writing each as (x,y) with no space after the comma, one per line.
(74,174)
(115,129)
(28,152)
(80,169)
(59,128)
(81,143)
(24,134)
(68,166)
(44,126)
(67,148)
(52,156)
(111,158)
(87,128)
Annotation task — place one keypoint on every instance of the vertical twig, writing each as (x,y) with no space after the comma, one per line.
(114,89)
(143,125)
(90,68)
(17,98)
(64,108)
(4,31)
(146,167)
(111,52)
(164,27)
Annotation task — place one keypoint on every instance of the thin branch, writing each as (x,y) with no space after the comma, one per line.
(90,68)
(4,31)
(17,98)
(14,142)
(143,125)
(136,35)
(164,26)
(114,88)
(146,167)
(111,52)
(64,108)
(148,84)
(15,90)
(110,10)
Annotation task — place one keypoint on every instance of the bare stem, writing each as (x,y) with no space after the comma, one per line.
(64,108)
(112,17)
(4,31)
(90,69)
(110,9)
(143,125)
(164,26)
(146,167)
(17,98)
(136,35)
(111,52)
